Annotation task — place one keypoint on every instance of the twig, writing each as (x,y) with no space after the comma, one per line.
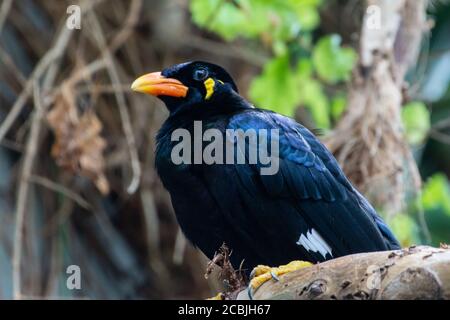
(51,185)
(226,50)
(53,54)
(6,59)
(150,215)
(436,134)
(4,11)
(12,145)
(60,217)
(43,64)
(85,72)
(23,97)
(179,248)
(120,97)
(128,27)
(442,124)
(106,89)
(22,197)
(439,136)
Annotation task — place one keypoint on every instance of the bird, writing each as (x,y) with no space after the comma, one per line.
(307,210)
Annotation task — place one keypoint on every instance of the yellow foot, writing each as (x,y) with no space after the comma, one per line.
(219,296)
(262,274)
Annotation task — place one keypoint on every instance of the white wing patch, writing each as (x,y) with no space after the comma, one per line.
(313,241)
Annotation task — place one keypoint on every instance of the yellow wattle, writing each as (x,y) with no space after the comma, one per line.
(209,86)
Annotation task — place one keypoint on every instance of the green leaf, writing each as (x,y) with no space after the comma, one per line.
(313,97)
(436,193)
(219,16)
(416,120)
(276,88)
(404,228)
(338,105)
(438,222)
(307,13)
(332,62)
(277,20)
(282,89)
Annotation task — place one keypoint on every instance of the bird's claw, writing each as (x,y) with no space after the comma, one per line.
(218,296)
(274,276)
(261,274)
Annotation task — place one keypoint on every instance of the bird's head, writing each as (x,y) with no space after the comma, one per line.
(188,86)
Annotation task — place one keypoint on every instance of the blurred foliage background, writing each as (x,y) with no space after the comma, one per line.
(292,56)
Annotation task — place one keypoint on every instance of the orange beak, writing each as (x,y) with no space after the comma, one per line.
(157,85)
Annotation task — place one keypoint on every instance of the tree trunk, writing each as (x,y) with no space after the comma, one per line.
(413,273)
(368,141)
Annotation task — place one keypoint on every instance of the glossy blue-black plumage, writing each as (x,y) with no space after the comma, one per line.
(261,217)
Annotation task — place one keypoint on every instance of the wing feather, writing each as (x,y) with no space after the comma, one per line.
(316,188)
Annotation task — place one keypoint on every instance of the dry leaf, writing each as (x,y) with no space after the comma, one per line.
(78,145)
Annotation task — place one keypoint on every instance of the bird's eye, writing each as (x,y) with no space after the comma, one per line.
(200,74)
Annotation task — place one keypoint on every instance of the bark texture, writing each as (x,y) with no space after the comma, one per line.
(413,273)
(369,141)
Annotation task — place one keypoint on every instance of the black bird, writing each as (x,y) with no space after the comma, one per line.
(307,210)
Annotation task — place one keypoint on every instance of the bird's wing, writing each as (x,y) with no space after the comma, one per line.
(310,182)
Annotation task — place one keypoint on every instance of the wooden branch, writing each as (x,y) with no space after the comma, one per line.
(413,273)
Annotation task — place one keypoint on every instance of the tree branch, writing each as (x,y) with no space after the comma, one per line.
(413,273)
